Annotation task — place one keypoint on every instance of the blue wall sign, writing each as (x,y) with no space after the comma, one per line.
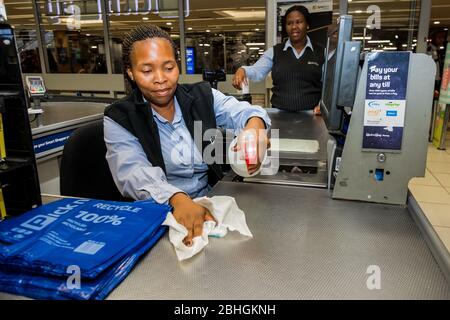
(190,60)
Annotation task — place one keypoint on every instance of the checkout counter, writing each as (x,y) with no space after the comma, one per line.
(52,119)
(61,116)
(306,245)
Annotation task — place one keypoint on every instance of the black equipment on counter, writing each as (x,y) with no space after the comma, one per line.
(214,76)
(341,71)
(19,181)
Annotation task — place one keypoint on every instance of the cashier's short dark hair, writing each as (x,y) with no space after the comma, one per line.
(139,33)
(302,10)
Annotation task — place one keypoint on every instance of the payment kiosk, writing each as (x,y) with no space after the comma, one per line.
(36,90)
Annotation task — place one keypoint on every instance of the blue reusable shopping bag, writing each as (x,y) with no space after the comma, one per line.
(103,239)
(30,224)
(94,235)
(40,287)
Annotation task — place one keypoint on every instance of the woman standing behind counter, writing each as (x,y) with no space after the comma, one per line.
(296,67)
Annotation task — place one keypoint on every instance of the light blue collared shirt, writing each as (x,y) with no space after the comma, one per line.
(263,66)
(137,178)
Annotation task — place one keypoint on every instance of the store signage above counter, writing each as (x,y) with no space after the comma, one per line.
(57,10)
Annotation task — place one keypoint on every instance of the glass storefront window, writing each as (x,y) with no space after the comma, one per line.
(228,50)
(244,49)
(73,36)
(123,17)
(73,32)
(20,16)
(397,24)
(218,34)
(207,49)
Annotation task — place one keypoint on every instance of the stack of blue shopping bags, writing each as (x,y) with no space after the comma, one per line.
(76,248)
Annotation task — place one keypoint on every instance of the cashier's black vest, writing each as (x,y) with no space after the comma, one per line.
(297,83)
(136,116)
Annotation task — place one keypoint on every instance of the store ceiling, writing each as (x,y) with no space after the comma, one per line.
(215,15)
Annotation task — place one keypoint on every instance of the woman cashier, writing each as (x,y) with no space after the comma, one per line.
(296,67)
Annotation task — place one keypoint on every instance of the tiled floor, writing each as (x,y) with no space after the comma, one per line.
(433,191)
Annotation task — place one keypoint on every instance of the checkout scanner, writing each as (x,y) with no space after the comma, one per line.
(302,147)
(343,162)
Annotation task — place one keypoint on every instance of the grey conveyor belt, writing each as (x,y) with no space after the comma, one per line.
(59,112)
(305,246)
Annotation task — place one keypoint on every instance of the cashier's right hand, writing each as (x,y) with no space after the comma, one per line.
(189,214)
(239,78)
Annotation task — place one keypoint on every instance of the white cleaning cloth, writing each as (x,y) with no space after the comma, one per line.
(228,216)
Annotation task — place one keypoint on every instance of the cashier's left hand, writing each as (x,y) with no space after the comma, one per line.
(255,126)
